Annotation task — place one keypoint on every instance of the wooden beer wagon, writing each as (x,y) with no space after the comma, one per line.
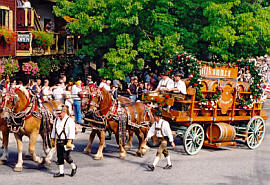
(217,115)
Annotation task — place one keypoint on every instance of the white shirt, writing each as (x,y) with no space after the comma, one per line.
(167,83)
(75,92)
(181,87)
(105,86)
(69,128)
(166,130)
(46,92)
(27,5)
(58,93)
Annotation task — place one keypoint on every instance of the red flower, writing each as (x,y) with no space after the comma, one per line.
(258,86)
(171,69)
(196,84)
(214,63)
(189,77)
(235,64)
(182,54)
(193,73)
(179,57)
(170,63)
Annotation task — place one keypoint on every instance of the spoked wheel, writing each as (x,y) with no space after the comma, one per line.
(255,132)
(193,139)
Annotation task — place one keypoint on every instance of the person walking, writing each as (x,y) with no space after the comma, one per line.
(162,130)
(63,133)
(77,101)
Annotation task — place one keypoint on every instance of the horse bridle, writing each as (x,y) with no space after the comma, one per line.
(97,112)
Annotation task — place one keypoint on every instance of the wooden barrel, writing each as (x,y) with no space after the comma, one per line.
(220,132)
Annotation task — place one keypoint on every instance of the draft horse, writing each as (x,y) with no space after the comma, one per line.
(118,116)
(27,116)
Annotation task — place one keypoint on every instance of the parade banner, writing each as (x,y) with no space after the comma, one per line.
(218,72)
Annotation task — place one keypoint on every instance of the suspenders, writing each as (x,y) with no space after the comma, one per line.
(165,85)
(157,129)
(62,132)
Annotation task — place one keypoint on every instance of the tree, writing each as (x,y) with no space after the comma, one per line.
(125,33)
(130,34)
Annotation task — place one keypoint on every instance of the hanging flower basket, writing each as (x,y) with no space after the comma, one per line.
(30,68)
(9,66)
(8,35)
(43,39)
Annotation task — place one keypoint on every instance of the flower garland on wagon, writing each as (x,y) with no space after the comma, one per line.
(191,67)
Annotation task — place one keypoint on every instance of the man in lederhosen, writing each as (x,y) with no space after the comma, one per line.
(165,84)
(162,130)
(63,133)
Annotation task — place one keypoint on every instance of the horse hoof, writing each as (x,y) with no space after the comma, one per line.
(86,152)
(98,157)
(138,154)
(122,155)
(2,162)
(47,162)
(127,147)
(17,169)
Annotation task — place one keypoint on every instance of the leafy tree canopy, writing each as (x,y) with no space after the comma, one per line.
(129,34)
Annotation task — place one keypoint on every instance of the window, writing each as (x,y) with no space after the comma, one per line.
(3,17)
(6,17)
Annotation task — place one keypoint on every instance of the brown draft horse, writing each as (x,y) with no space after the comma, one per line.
(104,105)
(18,105)
(94,132)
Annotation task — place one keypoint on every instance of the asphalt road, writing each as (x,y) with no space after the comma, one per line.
(226,165)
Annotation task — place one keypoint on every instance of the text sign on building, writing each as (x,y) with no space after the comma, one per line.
(218,72)
(23,38)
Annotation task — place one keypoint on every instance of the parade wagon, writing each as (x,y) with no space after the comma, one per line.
(218,109)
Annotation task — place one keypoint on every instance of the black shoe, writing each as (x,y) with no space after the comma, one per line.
(58,175)
(151,167)
(167,167)
(73,171)
(83,130)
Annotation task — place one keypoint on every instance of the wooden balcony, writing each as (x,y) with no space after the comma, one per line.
(64,44)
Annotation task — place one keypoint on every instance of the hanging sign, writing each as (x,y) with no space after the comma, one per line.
(218,72)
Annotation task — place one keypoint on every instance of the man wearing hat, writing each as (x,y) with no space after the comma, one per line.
(165,84)
(162,130)
(63,133)
(90,83)
(179,85)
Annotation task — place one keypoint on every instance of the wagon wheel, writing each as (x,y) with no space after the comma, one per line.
(255,132)
(193,139)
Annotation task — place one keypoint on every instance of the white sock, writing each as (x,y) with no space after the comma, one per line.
(61,169)
(156,161)
(73,165)
(169,160)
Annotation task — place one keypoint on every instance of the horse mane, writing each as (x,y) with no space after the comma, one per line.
(23,90)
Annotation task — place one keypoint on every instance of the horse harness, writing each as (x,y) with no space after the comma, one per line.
(16,121)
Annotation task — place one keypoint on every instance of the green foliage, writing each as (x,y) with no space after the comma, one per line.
(128,34)
(47,65)
(228,29)
(42,38)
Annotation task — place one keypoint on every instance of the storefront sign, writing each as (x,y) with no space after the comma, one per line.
(23,38)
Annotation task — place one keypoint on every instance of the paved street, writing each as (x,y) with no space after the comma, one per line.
(227,165)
